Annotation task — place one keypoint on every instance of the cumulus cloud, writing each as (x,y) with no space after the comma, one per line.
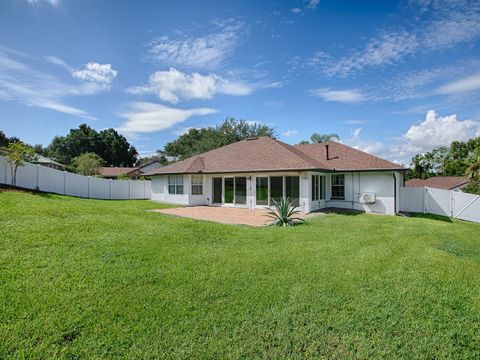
(434,130)
(95,72)
(290,133)
(343,96)
(467,84)
(209,51)
(145,117)
(173,86)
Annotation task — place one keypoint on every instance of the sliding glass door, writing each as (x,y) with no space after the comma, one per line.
(229,190)
(262,191)
(292,189)
(217,190)
(276,189)
(240,190)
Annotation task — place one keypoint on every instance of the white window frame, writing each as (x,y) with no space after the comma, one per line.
(197,184)
(334,185)
(319,187)
(175,183)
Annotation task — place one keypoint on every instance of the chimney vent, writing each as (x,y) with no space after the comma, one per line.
(328,154)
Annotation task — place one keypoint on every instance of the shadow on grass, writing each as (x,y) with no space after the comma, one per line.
(431,217)
(338,211)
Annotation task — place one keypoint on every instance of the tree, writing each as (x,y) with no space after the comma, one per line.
(197,141)
(87,164)
(5,140)
(108,144)
(322,138)
(17,154)
(160,157)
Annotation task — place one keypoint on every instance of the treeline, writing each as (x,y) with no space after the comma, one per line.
(458,159)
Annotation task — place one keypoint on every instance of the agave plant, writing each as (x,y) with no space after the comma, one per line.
(283,213)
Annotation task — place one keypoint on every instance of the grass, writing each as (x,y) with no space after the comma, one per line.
(108,279)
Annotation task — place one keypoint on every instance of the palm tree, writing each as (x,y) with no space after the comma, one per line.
(321,138)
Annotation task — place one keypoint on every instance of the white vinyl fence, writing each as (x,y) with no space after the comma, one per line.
(449,203)
(37,177)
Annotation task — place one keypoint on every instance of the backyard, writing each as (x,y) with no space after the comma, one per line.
(110,279)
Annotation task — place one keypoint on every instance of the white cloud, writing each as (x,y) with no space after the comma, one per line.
(312,4)
(203,52)
(384,50)
(173,85)
(51,2)
(57,61)
(95,72)
(290,133)
(22,83)
(433,131)
(343,96)
(354,122)
(145,117)
(446,25)
(296,11)
(470,83)
(436,130)
(273,103)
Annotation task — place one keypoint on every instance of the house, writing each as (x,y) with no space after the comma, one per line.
(113,172)
(252,173)
(47,162)
(456,183)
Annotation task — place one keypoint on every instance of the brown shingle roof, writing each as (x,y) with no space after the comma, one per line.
(114,171)
(439,182)
(267,154)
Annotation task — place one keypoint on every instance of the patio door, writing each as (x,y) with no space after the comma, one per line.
(229,190)
(240,190)
(217,190)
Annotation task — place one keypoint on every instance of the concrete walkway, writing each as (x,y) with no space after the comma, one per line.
(224,215)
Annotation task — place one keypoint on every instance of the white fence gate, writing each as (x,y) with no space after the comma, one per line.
(37,177)
(449,203)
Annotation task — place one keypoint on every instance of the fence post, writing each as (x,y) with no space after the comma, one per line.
(88,186)
(425,199)
(110,188)
(144,189)
(129,190)
(37,187)
(451,203)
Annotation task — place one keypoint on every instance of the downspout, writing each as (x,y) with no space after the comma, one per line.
(394,193)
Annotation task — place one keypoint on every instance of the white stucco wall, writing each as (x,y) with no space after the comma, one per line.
(356,183)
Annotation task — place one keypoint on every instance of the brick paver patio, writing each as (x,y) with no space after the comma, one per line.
(223,215)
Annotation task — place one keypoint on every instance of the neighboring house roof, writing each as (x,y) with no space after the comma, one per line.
(115,171)
(267,154)
(439,182)
(45,160)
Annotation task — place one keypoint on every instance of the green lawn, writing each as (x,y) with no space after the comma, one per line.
(107,279)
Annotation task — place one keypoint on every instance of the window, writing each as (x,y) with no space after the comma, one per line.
(197,185)
(175,184)
(315,183)
(262,190)
(276,189)
(338,187)
(292,189)
(318,187)
(241,190)
(323,187)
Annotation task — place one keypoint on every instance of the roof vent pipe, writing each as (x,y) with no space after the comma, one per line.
(328,154)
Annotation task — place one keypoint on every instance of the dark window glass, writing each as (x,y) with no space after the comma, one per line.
(229,190)
(338,187)
(241,190)
(276,188)
(292,189)
(262,190)
(323,181)
(314,187)
(217,190)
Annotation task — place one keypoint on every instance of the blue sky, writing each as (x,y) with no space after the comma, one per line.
(391,78)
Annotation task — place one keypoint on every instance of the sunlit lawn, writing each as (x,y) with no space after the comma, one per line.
(92,279)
